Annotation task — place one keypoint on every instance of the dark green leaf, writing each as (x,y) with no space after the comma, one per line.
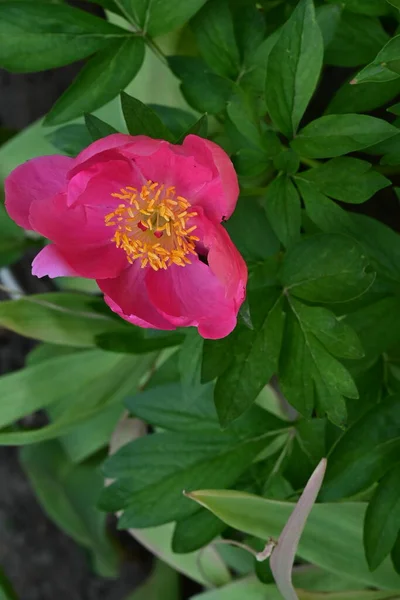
(283,208)
(326,268)
(334,135)
(36,36)
(395,554)
(395,3)
(365,452)
(134,341)
(142,120)
(101,79)
(287,161)
(357,40)
(251,231)
(214,33)
(196,531)
(70,139)
(328,19)
(243,114)
(12,239)
(199,128)
(68,493)
(254,361)
(382,519)
(107,4)
(189,361)
(347,179)
(373,8)
(293,68)
(156,17)
(6,590)
(203,90)
(363,98)
(385,66)
(156,469)
(98,128)
(249,24)
(177,120)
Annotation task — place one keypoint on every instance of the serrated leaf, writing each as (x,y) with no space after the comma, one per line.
(37,36)
(283,207)
(365,452)
(142,120)
(254,361)
(326,268)
(382,519)
(215,37)
(347,179)
(334,135)
(293,68)
(98,128)
(100,80)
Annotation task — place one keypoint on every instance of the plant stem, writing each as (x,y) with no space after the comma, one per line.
(310,162)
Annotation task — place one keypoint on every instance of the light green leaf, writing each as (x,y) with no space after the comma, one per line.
(215,37)
(69,494)
(36,36)
(357,40)
(59,318)
(366,451)
(342,524)
(98,128)
(382,519)
(142,120)
(100,80)
(157,17)
(326,268)
(293,68)
(347,179)
(334,135)
(283,208)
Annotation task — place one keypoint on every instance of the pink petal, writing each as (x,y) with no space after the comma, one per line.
(127,296)
(284,553)
(134,145)
(50,262)
(219,202)
(193,295)
(38,179)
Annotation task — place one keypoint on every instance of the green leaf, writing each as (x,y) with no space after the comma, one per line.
(387,59)
(156,17)
(6,590)
(142,120)
(334,135)
(162,582)
(203,90)
(100,80)
(137,341)
(196,531)
(242,112)
(357,40)
(365,452)
(395,555)
(84,383)
(347,179)
(71,139)
(283,208)
(373,8)
(293,68)
(177,120)
(342,524)
(58,318)
(215,37)
(98,128)
(68,493)
(395,3)
(337,337)
(326,268)
(382,519)
(12,240)
(36,36)
(156,469)
(249,588)
(364,98)
(254,359)
(287,161)
(200,128)
(189,362)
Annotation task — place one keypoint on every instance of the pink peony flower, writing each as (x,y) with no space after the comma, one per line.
(143,218)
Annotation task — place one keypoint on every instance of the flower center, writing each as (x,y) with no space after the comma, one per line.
(151,225)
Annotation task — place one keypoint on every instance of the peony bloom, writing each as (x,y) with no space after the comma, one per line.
(143,218)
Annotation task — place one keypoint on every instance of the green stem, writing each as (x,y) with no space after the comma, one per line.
(310,162)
